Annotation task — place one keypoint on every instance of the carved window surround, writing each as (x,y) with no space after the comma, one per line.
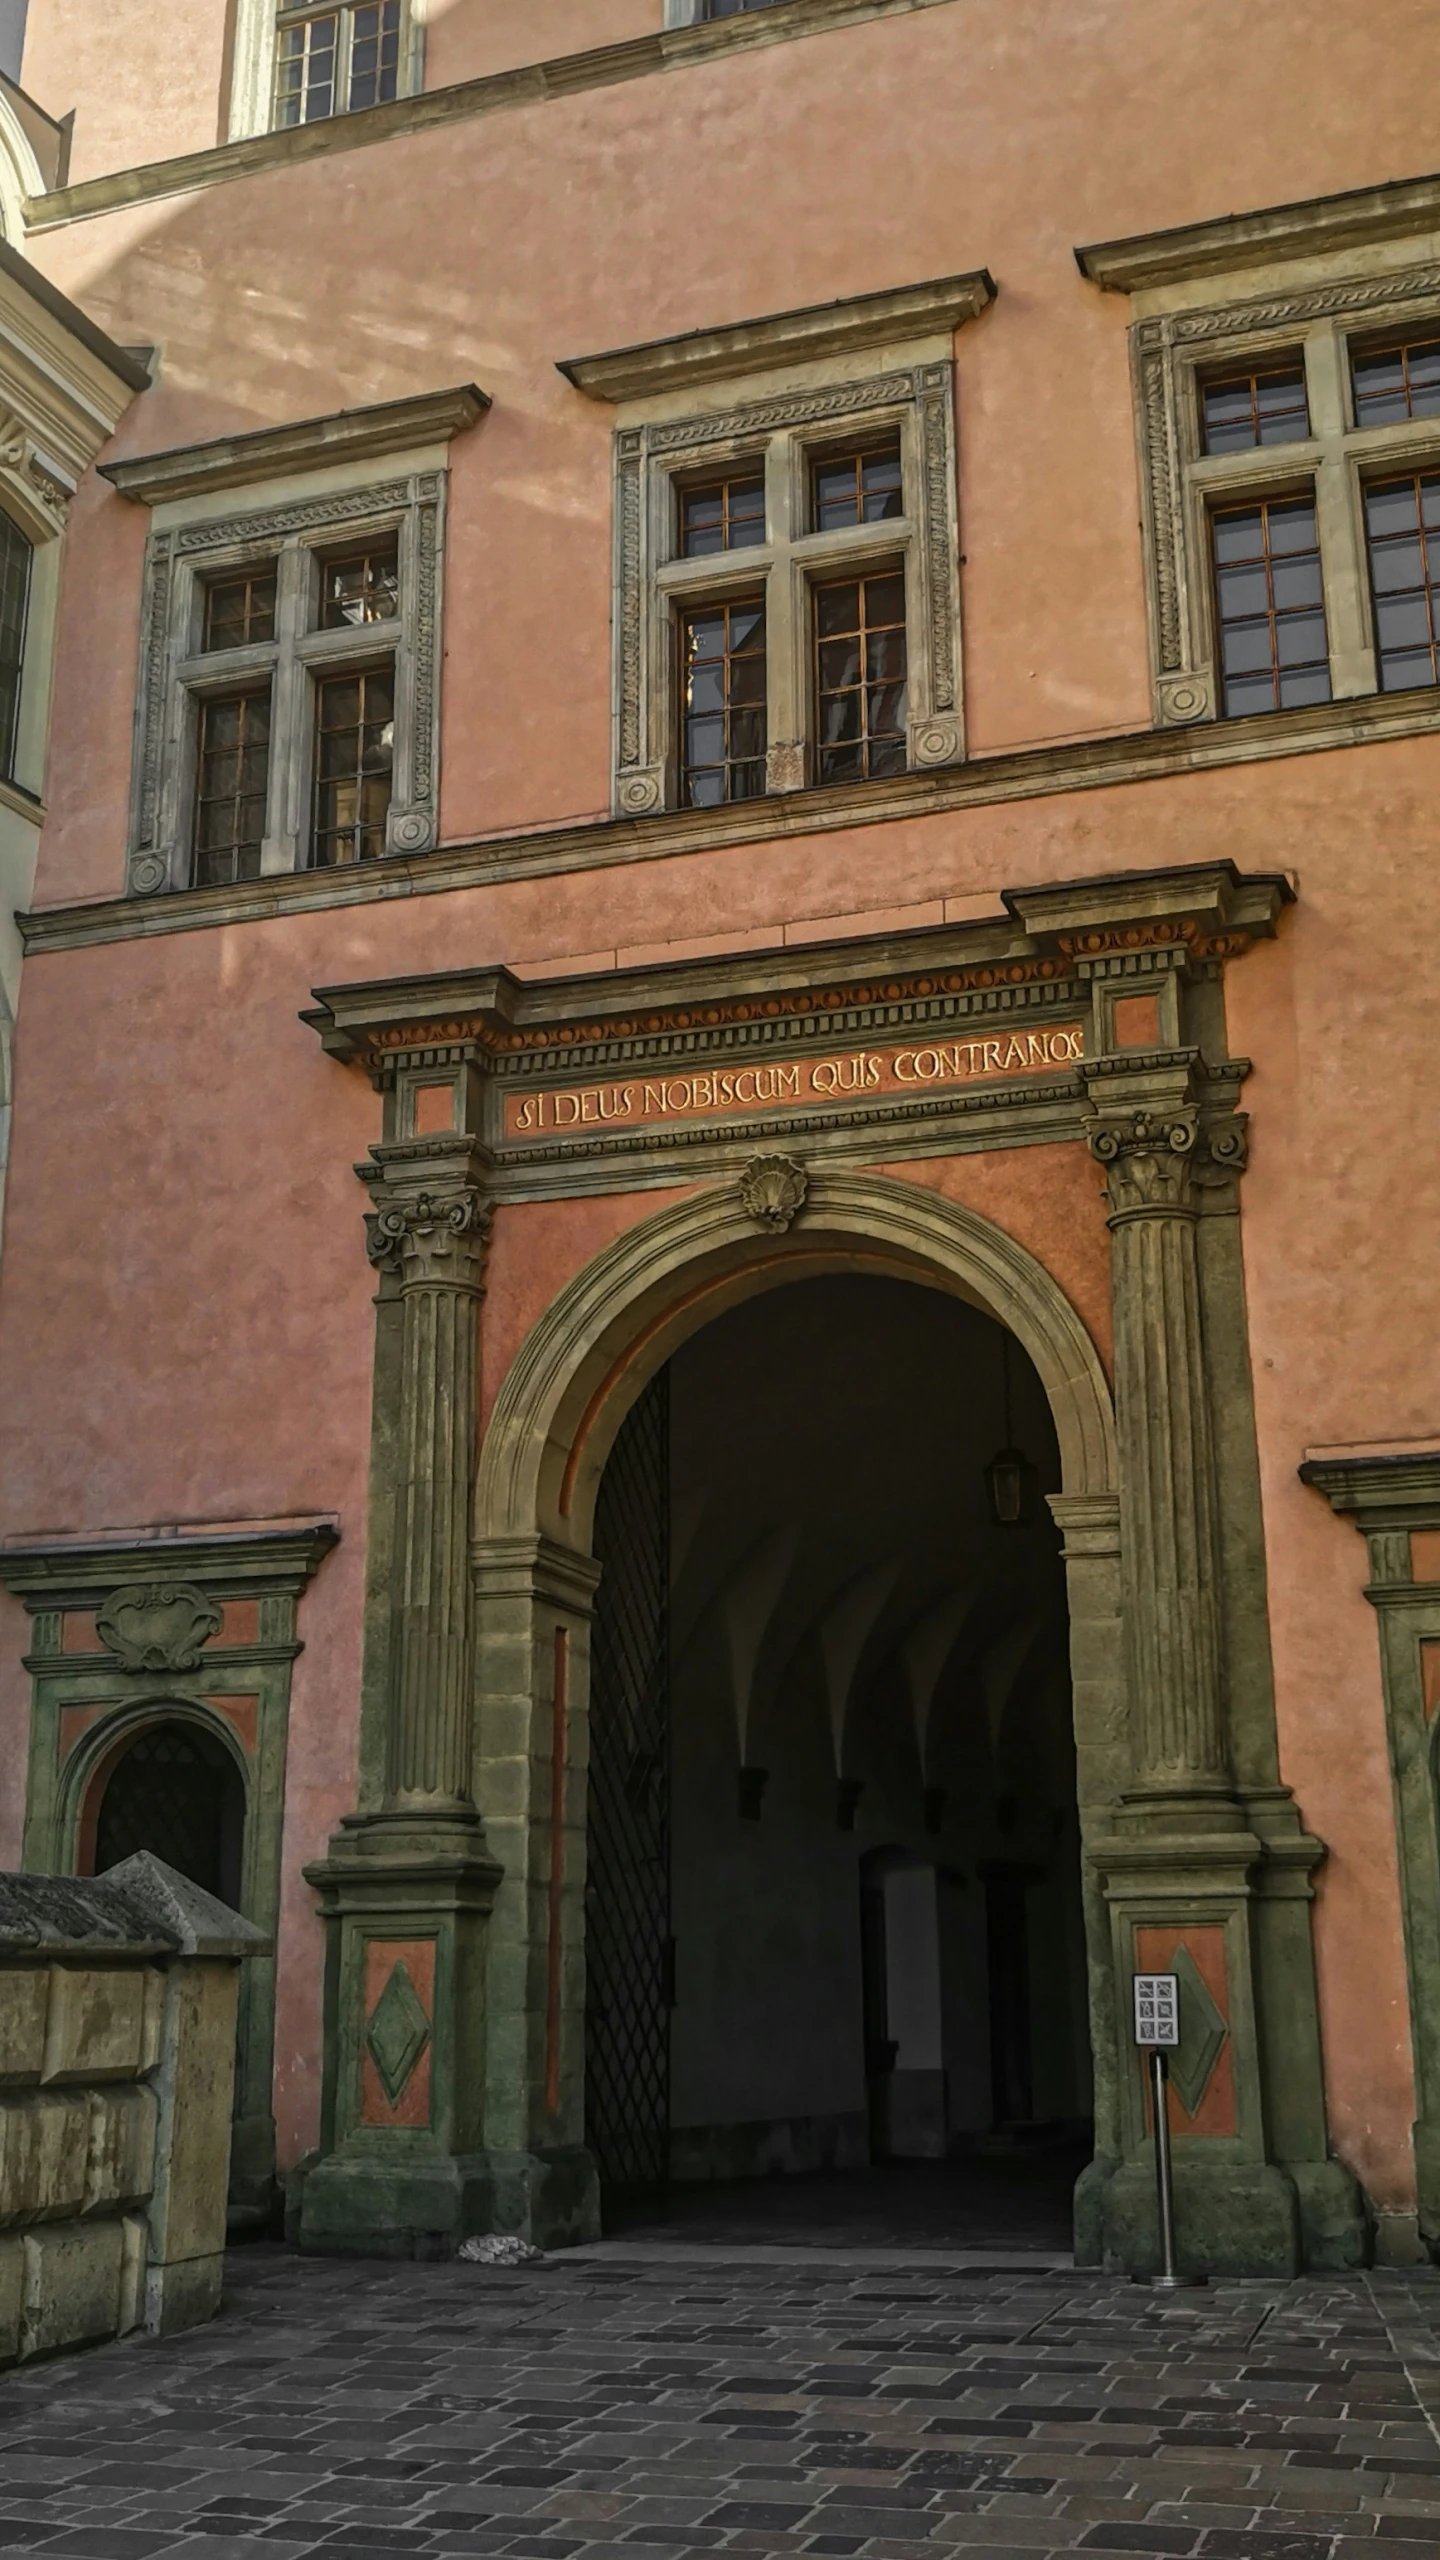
(1302,280)
(769,394)
(292,493)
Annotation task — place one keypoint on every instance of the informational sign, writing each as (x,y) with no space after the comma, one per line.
(1157,2009)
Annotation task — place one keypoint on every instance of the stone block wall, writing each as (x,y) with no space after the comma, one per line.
(118,2000)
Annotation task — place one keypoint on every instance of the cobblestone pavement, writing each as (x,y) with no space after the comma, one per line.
(681,2399)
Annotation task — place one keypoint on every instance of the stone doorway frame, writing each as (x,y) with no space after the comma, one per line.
(553,1424)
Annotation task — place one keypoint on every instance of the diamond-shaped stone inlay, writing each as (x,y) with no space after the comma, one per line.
(398,2031)
(1202,2033)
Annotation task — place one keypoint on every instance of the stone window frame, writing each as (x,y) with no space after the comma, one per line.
(655,581)
(1181,485)
(774,394)
(176,674)
(252,79)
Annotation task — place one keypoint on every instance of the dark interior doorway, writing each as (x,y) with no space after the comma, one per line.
(835,1952)
(177,1793)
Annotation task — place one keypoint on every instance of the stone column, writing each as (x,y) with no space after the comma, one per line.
(408,1885)
(1170,1545)
(438,1240)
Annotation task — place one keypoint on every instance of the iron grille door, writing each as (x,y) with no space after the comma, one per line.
(627,1894)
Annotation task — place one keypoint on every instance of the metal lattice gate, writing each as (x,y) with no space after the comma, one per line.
(628,1961)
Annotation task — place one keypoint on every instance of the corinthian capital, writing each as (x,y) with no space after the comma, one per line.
(1147,1155)
(437,1239)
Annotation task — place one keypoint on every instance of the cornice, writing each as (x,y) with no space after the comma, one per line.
(273,453)
(1379,1493)
(1313,228)
(795,991)
(825,329)
(536,84)
(73,1573)
(1091,764)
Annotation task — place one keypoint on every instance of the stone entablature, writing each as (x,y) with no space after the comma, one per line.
(978,1036)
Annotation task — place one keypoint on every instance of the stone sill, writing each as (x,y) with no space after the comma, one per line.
(535,84)
(1031,773)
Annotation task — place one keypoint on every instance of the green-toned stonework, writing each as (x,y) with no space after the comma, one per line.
(196,1634)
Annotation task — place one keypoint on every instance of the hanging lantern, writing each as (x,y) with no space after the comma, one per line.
(1010,1478)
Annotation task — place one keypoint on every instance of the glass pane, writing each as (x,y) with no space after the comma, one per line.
(1391,507)
(1399,672)
(885,600)
(1297,583)
(1403,623)
(1311,686)
(1292,528)
(1300,639)
(1398,564)
(839,664)
(837,609)
(1246,646)
(362,587)
(1243,591)
(1239,537)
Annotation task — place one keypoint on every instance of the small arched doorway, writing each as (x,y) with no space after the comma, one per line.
(176,1791)
(833,1908)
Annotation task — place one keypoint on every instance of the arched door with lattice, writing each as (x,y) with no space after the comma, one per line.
(628,1961)
(177,1793)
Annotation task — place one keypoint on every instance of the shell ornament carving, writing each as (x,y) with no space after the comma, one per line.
(158,1626)
(773,1191)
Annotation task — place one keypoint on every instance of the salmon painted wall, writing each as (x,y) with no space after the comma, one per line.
(167,1278)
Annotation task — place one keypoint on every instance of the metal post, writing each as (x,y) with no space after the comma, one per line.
(1164,2185)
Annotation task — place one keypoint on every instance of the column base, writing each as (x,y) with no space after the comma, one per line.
(1335,2222)
(551,2198)
(382,2201)
(387,2201)
(1232,2218)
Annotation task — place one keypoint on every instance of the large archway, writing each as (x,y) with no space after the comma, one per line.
(833,1911)
(555,1422)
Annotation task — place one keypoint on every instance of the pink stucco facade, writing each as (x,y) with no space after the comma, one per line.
(186,1327)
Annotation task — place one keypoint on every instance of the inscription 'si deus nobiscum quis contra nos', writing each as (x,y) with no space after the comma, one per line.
(710,1092)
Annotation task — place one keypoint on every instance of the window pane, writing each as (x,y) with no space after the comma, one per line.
(857,488)
(374,54)
(240,609)
(726,515)
(354,753)
(1397,382)
(16,555)
(305,66)
(723,704)
(364,586)
(1404,578)
(232,774)
(1269,598)
(860,670)
(732,8)
(1243,410)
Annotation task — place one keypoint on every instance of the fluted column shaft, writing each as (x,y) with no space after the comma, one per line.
(437,1243)
(1170,1549)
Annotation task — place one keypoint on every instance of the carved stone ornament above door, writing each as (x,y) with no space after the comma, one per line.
(158,1626)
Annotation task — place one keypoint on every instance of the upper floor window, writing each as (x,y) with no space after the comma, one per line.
(17,555)
(288,714)
(331,62)
(1292,482)
(732,8)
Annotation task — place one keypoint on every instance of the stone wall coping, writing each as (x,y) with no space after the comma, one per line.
(142,1908)
(79,1573)
(825,329)
(268,453)
(1314,227)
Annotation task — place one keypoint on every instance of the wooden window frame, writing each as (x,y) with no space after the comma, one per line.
(178,672)
(1173,353)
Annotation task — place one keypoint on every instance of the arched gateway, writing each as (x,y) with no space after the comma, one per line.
(455,1893)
